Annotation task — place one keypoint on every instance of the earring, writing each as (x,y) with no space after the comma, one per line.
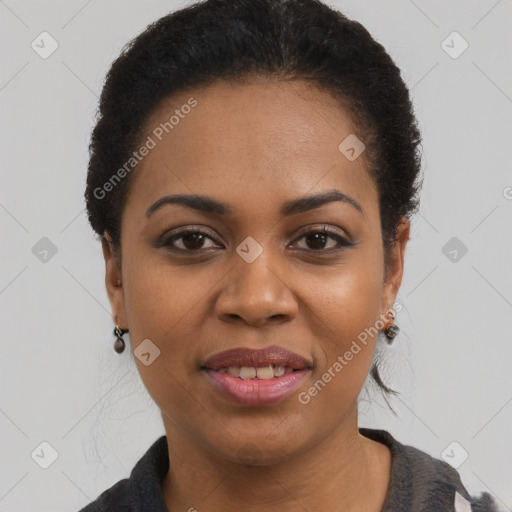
(392,330)
(119,343)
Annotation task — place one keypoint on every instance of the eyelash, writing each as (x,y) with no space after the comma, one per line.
(343,242)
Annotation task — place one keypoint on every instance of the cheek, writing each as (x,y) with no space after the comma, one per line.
(348,299)
(162,306)
(160,309)
(159,296)
(348,308)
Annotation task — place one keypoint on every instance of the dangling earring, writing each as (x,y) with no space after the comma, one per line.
(119,343)
(392,330)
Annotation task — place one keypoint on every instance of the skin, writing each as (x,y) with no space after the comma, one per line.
(255,145)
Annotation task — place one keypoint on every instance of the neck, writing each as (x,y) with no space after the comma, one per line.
(345,472)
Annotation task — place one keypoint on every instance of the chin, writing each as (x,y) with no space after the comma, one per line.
(269,444)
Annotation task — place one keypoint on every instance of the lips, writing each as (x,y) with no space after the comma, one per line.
(264,357)
(256,377)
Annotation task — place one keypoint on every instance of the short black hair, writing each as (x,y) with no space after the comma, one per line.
(281,39)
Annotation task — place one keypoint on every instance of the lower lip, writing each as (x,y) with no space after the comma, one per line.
(257,391)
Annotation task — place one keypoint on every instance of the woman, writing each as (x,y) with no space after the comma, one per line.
(252,176)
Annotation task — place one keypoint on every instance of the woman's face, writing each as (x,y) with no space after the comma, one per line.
(257,148)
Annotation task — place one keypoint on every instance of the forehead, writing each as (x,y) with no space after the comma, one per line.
(254,143)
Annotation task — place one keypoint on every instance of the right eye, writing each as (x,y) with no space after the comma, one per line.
(191,240)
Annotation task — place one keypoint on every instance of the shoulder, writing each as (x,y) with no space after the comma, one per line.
(423,483)
(445,480)
(116,498)
(142,491)
(484,503)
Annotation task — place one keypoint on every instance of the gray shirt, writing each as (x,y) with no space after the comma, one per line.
(419,483)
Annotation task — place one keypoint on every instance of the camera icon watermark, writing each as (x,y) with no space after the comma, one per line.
(146,352)
(44,455)
(44,45)
(249,249)
(454,249)
(454,454)
(454,45)
(44,250)
(351,147)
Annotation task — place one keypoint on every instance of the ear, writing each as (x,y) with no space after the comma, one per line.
(395,267)
(113,281)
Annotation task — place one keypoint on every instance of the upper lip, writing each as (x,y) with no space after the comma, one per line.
(243,356)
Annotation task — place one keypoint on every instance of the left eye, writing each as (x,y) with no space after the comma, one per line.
(319,236)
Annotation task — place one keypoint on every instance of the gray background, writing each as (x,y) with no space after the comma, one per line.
(60,380)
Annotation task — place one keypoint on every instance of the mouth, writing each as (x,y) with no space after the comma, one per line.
(256,377)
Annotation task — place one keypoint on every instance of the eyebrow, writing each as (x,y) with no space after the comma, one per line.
(212,206)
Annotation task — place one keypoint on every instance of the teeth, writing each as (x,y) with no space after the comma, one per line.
(247,372)
(250,372)
(279,371)
(266,372)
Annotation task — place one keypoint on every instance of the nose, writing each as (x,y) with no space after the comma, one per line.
(256,294)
